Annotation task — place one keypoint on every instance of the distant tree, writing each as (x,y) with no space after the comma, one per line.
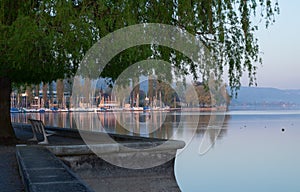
(44,40)
(205,99)
(204,96)
(190,97)
(201,98)
(166,92)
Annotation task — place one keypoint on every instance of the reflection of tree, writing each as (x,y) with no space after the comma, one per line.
(162,125)
(216,131)
(168,126)
(213,126)
(155,124)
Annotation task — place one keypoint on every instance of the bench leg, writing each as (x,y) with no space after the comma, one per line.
(45,137)
(34,138)
(45,142)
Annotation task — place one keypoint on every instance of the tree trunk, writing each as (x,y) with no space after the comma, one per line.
(6,130)
(60,92)
(51,95)
(45,94)
(150,90)
(136,90)
(37,96)
(29,97)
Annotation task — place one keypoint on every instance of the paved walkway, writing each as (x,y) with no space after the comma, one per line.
(10,180)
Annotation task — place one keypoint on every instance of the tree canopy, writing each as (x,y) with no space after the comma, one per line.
(43,40)
(46,39)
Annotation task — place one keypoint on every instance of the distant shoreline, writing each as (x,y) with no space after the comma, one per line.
(184,109)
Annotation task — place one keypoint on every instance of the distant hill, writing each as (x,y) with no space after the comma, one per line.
(257,97)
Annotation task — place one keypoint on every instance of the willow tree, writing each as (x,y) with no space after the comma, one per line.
(41,41)
(44,40)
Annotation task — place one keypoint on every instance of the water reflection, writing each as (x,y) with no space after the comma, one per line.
(158,124)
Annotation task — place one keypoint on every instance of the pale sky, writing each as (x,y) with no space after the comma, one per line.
(281,51)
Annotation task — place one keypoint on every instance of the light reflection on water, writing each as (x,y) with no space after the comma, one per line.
(164,125)
(256,155)
(251,153)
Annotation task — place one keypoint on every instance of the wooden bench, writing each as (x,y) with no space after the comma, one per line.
(38,127)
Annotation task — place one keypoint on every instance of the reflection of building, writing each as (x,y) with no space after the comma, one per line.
(151,124)
(148,124)
(107,120)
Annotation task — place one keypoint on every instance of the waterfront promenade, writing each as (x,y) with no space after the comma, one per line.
(10,179)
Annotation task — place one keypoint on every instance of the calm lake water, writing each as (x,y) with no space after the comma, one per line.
(237,151)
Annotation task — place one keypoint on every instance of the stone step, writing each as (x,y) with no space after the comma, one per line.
(42,171)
